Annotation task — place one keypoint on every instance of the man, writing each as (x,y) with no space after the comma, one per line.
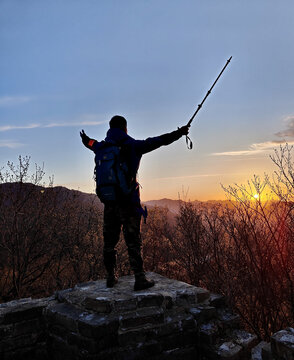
(126,211)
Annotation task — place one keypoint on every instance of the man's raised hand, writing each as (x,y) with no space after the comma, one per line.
(184,130)
(85,138)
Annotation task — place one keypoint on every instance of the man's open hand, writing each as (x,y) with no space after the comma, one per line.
(85,138)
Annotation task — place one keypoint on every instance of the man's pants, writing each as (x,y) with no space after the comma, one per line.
(128,217)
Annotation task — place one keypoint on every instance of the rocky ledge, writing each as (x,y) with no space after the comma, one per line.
(172,320)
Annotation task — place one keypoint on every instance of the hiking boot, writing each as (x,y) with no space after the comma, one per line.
(111,281)
(142,282)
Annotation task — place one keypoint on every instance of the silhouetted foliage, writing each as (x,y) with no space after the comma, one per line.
(51,238)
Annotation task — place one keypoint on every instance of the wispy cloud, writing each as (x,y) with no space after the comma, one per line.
(289,131)
(73,124)
(10,144)
(259,148)
(254,149)
(17,127)
(189,176)
(51,125)
(14,100)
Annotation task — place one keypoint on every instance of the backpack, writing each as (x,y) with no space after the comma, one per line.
(111,173)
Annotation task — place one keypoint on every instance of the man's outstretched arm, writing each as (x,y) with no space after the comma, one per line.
(89,143)
(152,143)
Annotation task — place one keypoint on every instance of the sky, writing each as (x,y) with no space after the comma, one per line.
(67,65)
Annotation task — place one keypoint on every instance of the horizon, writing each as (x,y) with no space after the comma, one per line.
(68,66)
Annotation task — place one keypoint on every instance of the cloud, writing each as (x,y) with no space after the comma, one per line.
(10,144)
(289,131)
(258,148)
(16,127)
(73,124)
(14,100)
(189,176)
(51,125)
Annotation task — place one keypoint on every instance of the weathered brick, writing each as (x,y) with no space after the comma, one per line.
(282,344)
(217,300)
(124,303)
(229,350)
(149,299)
(186,297)
(133,337)
(64,315)
(202,294)
(26,327)
(141,317)
(61,350)
(25,312)
(13,343)
(97,326)
(208,333)
(244,339)
(98,304)
(187,353)
(6,330)
(203,313)
(228,320)
(266,352)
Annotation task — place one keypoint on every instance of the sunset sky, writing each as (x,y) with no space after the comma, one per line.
(67,65)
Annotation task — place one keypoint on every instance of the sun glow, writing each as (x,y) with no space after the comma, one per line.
(256,196)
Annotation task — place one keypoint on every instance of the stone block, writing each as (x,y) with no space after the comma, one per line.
(135,337)
(84,343)
(187,353)
(282,344)
(266,352)
(230,351)
(14,343)
(6,330)
(26,327)
(217,300)
(100,304)
(141,317)
(64,315)
(208,333)
(203,313)
(59,331)
(149,299)
(150,349)
(124,303)
(202,295)
(97,326)
(186,297)
(244,339)
(171,325)
(172,341)
(61,350)
(228,320)
(26,313)
(256,350)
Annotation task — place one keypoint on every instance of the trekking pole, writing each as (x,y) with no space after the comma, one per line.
(188,140)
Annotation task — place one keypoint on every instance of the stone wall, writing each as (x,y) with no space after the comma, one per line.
(172,320)
(23,330)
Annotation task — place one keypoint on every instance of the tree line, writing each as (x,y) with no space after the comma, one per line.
(50,239)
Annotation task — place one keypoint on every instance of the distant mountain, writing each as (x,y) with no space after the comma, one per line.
(172,205)
(63,194)
(59,193)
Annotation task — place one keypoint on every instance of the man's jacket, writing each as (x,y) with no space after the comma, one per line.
(133,150)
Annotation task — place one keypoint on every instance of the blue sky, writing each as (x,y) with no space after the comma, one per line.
(68,64)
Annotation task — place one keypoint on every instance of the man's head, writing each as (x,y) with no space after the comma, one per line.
(118,122)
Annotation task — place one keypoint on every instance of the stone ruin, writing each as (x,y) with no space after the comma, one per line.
(172,320)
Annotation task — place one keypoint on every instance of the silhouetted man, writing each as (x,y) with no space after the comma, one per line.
(126,211)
